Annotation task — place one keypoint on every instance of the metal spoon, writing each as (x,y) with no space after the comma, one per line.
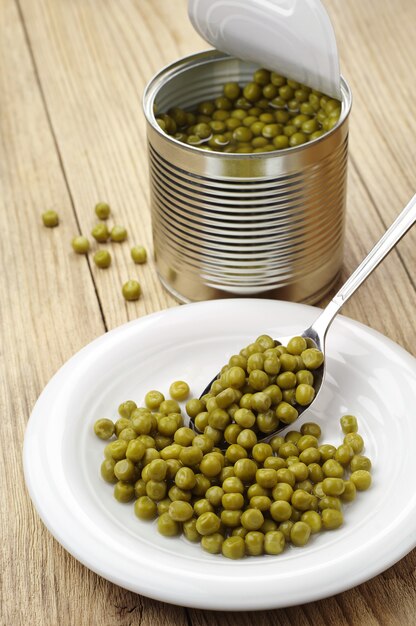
(316,333)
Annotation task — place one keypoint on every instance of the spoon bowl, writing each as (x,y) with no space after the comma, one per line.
(315,335)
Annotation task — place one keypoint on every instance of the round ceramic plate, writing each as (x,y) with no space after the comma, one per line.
(368,375)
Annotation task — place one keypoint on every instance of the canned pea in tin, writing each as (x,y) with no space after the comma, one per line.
(267,224)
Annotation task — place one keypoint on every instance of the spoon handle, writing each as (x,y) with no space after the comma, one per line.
(388,241)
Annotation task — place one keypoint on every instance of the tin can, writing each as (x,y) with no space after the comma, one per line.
(254,225)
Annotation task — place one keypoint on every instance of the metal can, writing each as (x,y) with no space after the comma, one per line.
(267,224)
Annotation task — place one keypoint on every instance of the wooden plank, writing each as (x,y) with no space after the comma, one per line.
(48,310)
(376,43)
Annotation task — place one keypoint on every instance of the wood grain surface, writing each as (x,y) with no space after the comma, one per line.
(72,74)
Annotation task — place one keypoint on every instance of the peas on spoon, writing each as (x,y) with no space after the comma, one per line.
(312,340)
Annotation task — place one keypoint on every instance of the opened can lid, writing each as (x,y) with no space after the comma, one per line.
(294,38)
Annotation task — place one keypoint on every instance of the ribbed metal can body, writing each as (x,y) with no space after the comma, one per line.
(226,225)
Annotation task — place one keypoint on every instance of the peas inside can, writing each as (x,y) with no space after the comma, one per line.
(269,113)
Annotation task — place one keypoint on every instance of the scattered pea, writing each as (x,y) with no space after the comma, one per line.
(80,245)
(102,210)
(139,254)
(131,290)
(50,219)
(102,259)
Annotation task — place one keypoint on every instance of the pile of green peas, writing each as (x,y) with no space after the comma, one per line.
(252,498)
(269,113)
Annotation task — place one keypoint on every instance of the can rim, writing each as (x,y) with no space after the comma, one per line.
(171,70)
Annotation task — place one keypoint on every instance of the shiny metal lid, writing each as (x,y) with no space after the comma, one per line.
(294,38)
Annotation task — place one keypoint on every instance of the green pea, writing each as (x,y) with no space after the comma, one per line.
(263,503)
(257,130)
(185,478)
(125,470)
(145,508)
(285,528)
(168,526)
(206,108)
(232,501)
(266,478)
(333,486)
(123,491)
(355,441)
(272,130)
(80,245)
(223,104)
(286,380)
(252,92)
(350,491)
(313,358)
(313,519)
(316,135)
(297,139)
(100,232)
(309,126)
(329,502)
(131,290)
(212,543)
(50,219)
(242,134)
(102,210)
(304,394)
(286,412)
(331,519)
(210,465)
(252,519)
(302,500)
(261,77)
(280,510)
(233,547)
(327,451)
(231,90)
(178,115)
(281,142)
(125,409)
(104,428)
(214,495)
(349,424)
(247,438)
(315,472)
(180,511)
(202,130)
(344,454)
(107,470)
(359,462)
(361,479)
(208,523)
(274,542)
(300,533)
(116,450)
(306,108)
(282,491)
(139,254)
(245,469)
(270,91)
(286,92)
(254,541)
(102,259)
(333,469)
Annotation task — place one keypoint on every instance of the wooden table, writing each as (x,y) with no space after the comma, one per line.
(72,132)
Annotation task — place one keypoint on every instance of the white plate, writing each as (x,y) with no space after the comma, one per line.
(368,375)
